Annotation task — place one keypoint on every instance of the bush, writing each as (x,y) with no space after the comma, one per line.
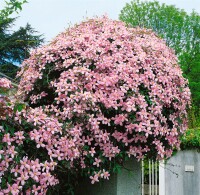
(191,139)
(98,93)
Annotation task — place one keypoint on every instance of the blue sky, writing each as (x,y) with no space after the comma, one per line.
(50,17)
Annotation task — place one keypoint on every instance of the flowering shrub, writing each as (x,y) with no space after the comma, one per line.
(5,83)
(18,172)
(98,93)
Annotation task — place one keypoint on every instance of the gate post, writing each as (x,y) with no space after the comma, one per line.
(162,177)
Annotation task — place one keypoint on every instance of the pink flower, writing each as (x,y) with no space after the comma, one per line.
(119,119)
(5,83)
(13,189)
(105,174)
(7,139)
(92,152)
(34,174)
(97,161)
(94,178)
(23,177)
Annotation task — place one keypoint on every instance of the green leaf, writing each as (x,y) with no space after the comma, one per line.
(19,107)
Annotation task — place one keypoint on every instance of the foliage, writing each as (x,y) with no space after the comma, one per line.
(98,94)
(9,70)
(191,139)
(193,117)
(11,7)
(15,45)
(181,32)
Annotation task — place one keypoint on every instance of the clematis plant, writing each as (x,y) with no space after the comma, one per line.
(99,93)
(19,173)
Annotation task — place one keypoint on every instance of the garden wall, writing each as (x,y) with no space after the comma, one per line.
(182,173)
(128,182)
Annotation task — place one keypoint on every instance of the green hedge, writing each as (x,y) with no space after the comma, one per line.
(191,139)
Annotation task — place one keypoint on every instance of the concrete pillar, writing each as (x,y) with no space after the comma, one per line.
(128,182)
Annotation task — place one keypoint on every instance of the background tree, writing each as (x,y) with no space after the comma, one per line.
(11,7)
(15,45)
(181,32)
